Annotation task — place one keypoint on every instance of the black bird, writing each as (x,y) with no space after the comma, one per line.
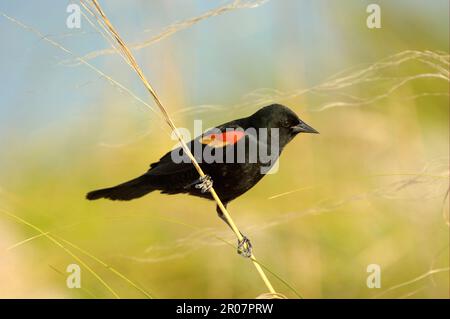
(234,155)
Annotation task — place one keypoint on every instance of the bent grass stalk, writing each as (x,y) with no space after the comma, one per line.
(129,56)
(58,240)
(62,274)
(113,270)
(181,25)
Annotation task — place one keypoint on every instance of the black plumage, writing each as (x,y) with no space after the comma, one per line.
(230,179)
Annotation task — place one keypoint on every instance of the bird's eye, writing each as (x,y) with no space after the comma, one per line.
(285,123)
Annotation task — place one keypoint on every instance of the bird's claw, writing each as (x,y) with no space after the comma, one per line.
(205,183)
(244,247)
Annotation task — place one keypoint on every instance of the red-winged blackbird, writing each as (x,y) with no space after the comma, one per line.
(234,155)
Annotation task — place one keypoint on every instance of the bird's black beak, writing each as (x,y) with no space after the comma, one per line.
(302,127)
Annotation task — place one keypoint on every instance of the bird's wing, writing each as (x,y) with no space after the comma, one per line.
(167,166)
(222,136)
(225,135)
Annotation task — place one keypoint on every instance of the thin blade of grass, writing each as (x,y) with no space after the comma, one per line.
(60,245)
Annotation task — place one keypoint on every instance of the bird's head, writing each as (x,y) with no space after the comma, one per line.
(283,118)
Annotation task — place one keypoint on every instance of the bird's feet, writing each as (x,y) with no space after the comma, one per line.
(244,247)
(205,183)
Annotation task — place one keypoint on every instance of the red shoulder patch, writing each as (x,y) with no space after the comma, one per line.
(222,139)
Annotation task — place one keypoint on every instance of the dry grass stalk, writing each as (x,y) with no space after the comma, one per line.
(132,61)
(181,25)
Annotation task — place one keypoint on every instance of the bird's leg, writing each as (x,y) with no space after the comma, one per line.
(204,183)
(244,246)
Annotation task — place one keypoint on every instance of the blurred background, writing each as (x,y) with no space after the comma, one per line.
(372,188)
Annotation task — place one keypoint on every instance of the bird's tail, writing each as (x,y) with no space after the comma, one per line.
(132,189)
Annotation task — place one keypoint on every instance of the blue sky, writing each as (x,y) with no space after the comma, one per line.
(217,61)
